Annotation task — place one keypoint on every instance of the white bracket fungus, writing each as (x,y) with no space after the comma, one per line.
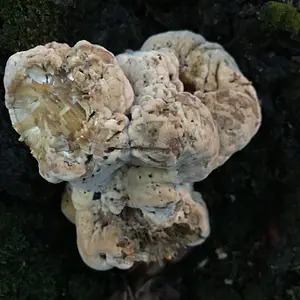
(68,105)
(212,75)
(130,134)
(137,217)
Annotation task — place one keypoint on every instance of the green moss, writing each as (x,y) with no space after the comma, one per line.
(28,23)
(25,269)
(281,17)
(39,258)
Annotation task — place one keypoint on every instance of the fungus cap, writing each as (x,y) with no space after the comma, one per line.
(68,105)
(146,229)
(169,128)
(211,73)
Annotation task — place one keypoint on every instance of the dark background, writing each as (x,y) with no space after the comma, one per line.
(253,199)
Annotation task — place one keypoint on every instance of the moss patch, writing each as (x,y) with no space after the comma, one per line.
(25,269)
(39,259)
(279,16)
(28,23)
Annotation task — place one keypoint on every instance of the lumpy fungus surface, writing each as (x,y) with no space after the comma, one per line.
(130,134)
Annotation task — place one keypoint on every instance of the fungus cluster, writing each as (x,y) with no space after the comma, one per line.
(130,134)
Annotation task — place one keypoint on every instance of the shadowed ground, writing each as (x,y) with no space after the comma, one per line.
(253,199)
